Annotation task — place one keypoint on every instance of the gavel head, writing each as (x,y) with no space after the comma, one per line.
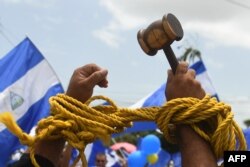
(159,34)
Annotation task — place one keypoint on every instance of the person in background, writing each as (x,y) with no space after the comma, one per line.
(122,154)
(100,160)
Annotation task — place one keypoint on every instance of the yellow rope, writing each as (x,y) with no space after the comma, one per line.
(80,124)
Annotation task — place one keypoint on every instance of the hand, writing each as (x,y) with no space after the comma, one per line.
(123,162)
(183,83)
(84,79)
(81,88)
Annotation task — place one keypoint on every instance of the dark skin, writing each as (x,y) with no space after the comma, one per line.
(195,151)
(84,79)
(81,87)
(65,157)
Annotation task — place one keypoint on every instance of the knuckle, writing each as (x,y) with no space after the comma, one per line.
(76,71)
(189,80)
(197,84)
(192,71)
(91,64)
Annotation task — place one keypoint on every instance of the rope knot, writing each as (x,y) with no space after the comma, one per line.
(212,120)
(80,124)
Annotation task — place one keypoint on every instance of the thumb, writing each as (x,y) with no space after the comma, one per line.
(97,77)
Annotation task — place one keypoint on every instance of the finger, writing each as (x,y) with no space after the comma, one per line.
(170,75)
(182,68)
(202,92)
(91,68)
(103,83)
(97,77)
(86,70)
(191,72)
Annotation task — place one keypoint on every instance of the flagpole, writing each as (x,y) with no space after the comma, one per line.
(114,142)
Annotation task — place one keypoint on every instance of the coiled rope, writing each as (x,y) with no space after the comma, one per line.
(80,124)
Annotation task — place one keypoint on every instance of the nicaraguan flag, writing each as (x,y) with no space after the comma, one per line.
(26,83)
(157,98)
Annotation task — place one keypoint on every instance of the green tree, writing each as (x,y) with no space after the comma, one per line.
(247,123)
(190,55)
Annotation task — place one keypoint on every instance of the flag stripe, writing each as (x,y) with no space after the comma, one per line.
(13,65)
(37,111)
(140,102)
(27,82)
(87,150)
(157,98)
(206,83)
(199,67)
(36,81)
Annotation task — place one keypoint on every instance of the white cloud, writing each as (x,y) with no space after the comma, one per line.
(33,3)
(213,63)
(48,23)
(11,1)
(229,33)
(134,64)
(122,16)
(50,20)
(223,21)
(110,38)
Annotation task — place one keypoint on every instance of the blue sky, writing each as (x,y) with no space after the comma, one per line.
(73,33)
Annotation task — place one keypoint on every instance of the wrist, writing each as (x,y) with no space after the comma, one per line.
(182,130)
(50,149)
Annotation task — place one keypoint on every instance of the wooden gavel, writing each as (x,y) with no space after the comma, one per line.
(160,35)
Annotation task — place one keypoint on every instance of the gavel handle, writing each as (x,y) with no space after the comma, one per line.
(171,57)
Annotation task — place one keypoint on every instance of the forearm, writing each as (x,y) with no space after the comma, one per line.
(195,151)
(50,149)
(66,156)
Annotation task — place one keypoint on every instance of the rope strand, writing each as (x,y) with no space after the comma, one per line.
(79,124)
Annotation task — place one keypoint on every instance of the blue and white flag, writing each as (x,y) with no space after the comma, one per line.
(157,98)
(26,83)
(246,133)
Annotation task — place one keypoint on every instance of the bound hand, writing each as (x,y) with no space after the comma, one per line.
(84,79)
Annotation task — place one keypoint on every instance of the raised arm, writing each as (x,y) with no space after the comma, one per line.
(81,87)
(195,151)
